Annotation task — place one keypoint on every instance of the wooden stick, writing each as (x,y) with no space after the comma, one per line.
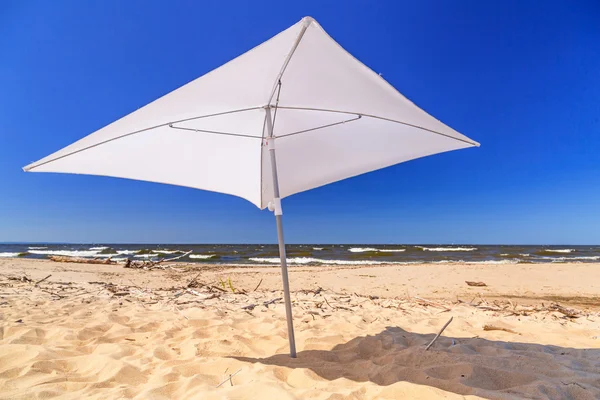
(42,280)
(193,280)
(257,285)
(175,258)
(431,303)
(229,378)
(439,333)
(497,328)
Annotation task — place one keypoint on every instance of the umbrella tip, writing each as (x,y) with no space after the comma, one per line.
(308,19)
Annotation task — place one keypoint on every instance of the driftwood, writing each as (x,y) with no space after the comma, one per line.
(475,283)
(439,333)
(430,303)
(148,265)
(80,260)
(497,328)
(565,311)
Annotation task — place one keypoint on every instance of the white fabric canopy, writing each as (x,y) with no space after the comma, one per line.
(334,118)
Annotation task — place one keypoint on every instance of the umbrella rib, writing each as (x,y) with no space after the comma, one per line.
(358,116)
(141,131)
(289,57)
(215,132)
(473,143)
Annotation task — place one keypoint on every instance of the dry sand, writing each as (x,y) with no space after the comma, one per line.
(95,331)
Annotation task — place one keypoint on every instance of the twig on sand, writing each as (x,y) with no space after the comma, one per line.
(266,304)
(204,296)
(257,285)
(431,303)
(497,328)
(475,283)
(439,333)
(229,378)
(193,281)
(42,280)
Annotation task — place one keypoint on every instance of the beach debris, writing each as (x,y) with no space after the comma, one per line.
(439,333)
(150,265)
(23,278)
(470,283)
(568,312)
(266,304)
(229,378)
(204,296)
(314,292)
(257,286)
(498,328)
(81,260)
(193,282)
(430,303)
(42,280)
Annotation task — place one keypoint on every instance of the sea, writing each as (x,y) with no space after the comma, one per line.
(313,254)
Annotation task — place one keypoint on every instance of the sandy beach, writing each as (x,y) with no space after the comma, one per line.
(204,331)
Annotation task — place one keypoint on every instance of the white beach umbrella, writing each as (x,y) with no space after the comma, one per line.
(299,95)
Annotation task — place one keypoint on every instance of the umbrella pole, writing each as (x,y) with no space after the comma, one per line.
(278,219)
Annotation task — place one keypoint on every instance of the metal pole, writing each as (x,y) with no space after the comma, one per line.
(278,213)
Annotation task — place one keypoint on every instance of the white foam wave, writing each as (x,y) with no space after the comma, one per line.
(146,255)
(37,248)
(317,248)
(365,249)
(126,251)
(310,260)
(167,251)
(563,259)
(9,254)
(202,256)
(99,248)
(361,249)
(559,250)
(68,253)
(449,248)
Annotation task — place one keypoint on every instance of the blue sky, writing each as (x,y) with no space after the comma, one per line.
(521,77)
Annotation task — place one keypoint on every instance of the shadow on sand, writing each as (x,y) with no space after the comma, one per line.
(491,369)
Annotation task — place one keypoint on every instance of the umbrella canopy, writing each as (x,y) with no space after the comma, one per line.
(334,118)
(300,94)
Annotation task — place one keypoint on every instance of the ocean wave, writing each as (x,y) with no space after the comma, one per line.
(9,254)
(146,255)
(361,249)
(99,248)
(317,248)
(126,251)
(448,248)
(371,249)
(168,251)
(202,256)
(68,253)
(558,250)
(37,248)
(310,260)
(569,259)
